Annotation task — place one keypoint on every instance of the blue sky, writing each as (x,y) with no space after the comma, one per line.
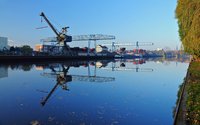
(129,20)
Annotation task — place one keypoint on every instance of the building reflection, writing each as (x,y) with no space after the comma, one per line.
(128,65)
(60,71)
(3,71)
(168,60)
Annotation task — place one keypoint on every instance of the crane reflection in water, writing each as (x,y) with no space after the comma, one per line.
(60,72)
(61,80)
(64,95)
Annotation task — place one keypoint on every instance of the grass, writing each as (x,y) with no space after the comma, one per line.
(193,94)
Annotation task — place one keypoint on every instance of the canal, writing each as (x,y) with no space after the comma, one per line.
(116,92)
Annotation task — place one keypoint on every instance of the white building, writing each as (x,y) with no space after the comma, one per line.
(3,43)
(100,48)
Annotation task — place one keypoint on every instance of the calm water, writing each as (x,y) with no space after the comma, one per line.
(131,92)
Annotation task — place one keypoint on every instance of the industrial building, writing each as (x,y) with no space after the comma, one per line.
(3,43)
(48,48)
(38,47)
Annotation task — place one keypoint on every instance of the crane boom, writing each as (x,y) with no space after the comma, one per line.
(61,36)
(54,30)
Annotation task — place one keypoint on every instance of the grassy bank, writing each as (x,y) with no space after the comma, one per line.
(187,111)
(193,94)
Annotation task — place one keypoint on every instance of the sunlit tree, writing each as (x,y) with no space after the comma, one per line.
(188,15)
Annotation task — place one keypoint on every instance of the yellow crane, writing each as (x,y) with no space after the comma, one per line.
(62,37)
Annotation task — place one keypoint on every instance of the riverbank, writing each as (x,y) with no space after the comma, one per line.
(51,58)
(189,109)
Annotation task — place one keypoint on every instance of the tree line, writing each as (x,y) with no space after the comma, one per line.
(188,16)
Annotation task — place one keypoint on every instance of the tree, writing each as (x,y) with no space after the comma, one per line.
(26,67)
(188,15)
(26,50)
(12,49)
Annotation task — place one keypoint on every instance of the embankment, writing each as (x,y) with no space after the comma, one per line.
(188,106)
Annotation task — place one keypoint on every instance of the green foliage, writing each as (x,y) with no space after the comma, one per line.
(188,15)
(26,50)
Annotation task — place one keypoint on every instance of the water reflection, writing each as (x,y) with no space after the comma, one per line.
(121,65)
(60,72)
(90,92)
(3,71)
(62,78)
(102,64)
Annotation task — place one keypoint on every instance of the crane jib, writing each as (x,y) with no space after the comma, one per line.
(61,37)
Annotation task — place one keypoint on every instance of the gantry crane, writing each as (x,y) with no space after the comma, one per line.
(137,44)
(62,36)
(88,38)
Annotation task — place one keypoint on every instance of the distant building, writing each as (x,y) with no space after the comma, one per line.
(38,47)
(48,48)
(100,48)
(3,43)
